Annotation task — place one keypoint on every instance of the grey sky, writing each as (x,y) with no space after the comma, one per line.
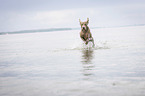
(39,14)
(39,5)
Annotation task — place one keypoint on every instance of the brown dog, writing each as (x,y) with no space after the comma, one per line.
(85,33)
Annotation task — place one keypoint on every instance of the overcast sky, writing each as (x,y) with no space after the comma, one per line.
(42,14)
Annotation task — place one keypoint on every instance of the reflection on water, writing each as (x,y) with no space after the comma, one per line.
(88,66)
(87,56)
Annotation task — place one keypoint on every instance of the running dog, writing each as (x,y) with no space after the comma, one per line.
(85,33)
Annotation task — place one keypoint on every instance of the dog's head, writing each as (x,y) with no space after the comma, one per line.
(84,25)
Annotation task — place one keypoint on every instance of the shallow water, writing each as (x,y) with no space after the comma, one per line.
(59,64)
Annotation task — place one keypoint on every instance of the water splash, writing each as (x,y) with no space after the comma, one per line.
(89,46)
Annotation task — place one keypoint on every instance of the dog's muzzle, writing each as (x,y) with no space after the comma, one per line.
(84,27)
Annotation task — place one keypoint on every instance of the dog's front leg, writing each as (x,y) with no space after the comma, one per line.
(87,41)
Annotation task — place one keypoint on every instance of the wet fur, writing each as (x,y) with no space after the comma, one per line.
(85,33)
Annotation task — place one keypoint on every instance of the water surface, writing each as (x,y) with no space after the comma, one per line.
(59,64)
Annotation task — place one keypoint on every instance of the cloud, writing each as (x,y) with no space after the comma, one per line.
(40,14)
(44,19)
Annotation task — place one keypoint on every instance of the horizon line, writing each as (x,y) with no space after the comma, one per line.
(61,29)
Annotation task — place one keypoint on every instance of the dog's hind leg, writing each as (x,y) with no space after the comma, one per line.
(93,43)
(92,40)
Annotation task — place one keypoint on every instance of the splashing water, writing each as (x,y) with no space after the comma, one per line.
(89,46)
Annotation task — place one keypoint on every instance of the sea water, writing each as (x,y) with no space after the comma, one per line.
(59,64)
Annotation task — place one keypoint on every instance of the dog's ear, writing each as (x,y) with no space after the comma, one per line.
(80,21)
(88,20)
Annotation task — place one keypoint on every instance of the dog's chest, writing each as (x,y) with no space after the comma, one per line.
(84,35)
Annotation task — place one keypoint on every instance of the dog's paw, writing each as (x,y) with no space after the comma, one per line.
(90,39)
(86,42)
